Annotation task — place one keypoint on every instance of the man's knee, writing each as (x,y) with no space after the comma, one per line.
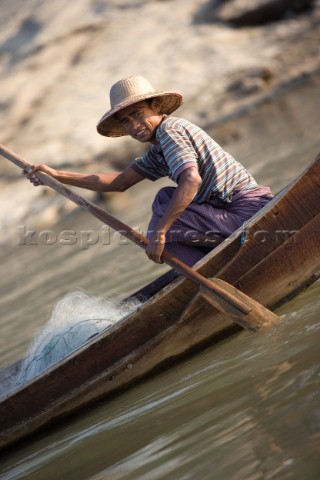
(163,197)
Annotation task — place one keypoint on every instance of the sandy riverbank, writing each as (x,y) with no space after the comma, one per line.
(252,88)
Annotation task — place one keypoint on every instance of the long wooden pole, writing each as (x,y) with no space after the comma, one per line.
(245,311)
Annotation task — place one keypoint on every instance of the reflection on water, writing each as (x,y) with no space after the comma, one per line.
(248,408)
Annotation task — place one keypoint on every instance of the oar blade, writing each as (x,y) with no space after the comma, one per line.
(248,313)
(223,296)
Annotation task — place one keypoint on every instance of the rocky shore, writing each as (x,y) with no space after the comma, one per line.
(249,72)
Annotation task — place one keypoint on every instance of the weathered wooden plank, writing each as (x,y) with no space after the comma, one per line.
(287,213)
(162,331)
(289,269)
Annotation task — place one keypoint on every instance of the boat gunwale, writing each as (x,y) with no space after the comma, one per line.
(119,328)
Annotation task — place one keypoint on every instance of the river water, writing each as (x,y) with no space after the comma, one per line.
(246,409)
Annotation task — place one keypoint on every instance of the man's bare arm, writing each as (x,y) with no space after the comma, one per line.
(99,182)
(185,192)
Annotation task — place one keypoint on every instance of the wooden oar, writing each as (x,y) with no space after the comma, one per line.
(245,311)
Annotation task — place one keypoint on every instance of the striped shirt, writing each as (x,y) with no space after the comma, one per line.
(181,145)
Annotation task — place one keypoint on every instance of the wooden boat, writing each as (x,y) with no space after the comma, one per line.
(279,257)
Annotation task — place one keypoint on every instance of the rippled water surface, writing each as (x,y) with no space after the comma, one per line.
(249,408)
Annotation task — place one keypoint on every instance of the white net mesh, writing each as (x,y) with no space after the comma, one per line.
(75,319)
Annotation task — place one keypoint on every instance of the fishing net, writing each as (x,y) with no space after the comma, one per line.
(75,319)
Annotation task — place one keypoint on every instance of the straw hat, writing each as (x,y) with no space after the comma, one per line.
(128,91)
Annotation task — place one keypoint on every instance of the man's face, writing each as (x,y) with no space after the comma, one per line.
(141,120)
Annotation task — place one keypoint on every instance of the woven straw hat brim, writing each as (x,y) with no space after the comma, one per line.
(109,125)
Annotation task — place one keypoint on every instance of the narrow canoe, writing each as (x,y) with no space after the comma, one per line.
(279,257)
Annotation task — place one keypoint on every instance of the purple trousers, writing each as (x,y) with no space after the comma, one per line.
(201,227)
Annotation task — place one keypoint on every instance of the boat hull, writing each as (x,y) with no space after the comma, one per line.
(280,257)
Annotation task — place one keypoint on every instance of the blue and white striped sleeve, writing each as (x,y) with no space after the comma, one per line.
(178,151)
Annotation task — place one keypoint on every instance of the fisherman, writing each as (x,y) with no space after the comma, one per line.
(215,194)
